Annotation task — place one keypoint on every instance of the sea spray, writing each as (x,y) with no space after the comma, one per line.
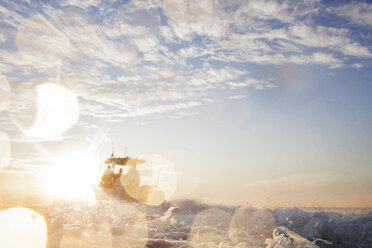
(188,223)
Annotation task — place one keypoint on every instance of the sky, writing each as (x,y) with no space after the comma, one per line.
(262,102)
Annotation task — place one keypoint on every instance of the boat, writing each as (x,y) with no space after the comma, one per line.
(127,186)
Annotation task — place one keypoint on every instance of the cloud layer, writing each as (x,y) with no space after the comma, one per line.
(148,57)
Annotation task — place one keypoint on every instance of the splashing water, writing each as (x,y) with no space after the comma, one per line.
(187,223)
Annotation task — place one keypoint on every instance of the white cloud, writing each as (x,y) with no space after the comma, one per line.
(357,65)
(81,4)
(88,41)
(267,10)
(146,43)
(236,97)
(151,56)
(248,34)
(357,12)
(160,108)
(2,37)
(189,17)
(257,84)
(336,66)
(333,38)
(9,16)
(315,58)
(279,59)
(38,40)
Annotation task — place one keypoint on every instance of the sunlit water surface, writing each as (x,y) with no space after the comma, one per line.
(187,223)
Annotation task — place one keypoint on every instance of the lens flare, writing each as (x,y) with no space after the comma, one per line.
(210,228)
(158,180)
(4,150)
(4,93)
(22,227)
(41,43)
(98,236)
(57,111)
(131,182)
(251,226)
(134,230)
(150,195)
(283,237)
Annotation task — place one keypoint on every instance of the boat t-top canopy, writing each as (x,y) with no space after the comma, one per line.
(126,161)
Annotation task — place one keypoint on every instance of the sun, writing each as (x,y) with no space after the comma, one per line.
(72,178)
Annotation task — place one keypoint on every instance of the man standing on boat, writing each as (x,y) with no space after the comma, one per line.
(107,178)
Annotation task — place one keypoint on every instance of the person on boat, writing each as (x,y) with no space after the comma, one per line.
(107,178)
(132,181)
(118,181)
(118,177)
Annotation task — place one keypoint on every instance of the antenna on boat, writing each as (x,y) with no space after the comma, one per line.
(125,154)
(112,145)
(112,153)
(112,148)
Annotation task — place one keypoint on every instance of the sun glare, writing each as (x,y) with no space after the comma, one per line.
(72,178)
(57,111)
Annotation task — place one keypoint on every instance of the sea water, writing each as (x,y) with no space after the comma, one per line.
(188,223)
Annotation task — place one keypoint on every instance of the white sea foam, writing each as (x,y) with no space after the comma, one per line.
(190,223)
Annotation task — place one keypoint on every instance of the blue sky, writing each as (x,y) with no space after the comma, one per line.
(242,97)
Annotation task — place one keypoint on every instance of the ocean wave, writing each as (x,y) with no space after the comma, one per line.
(188,223)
